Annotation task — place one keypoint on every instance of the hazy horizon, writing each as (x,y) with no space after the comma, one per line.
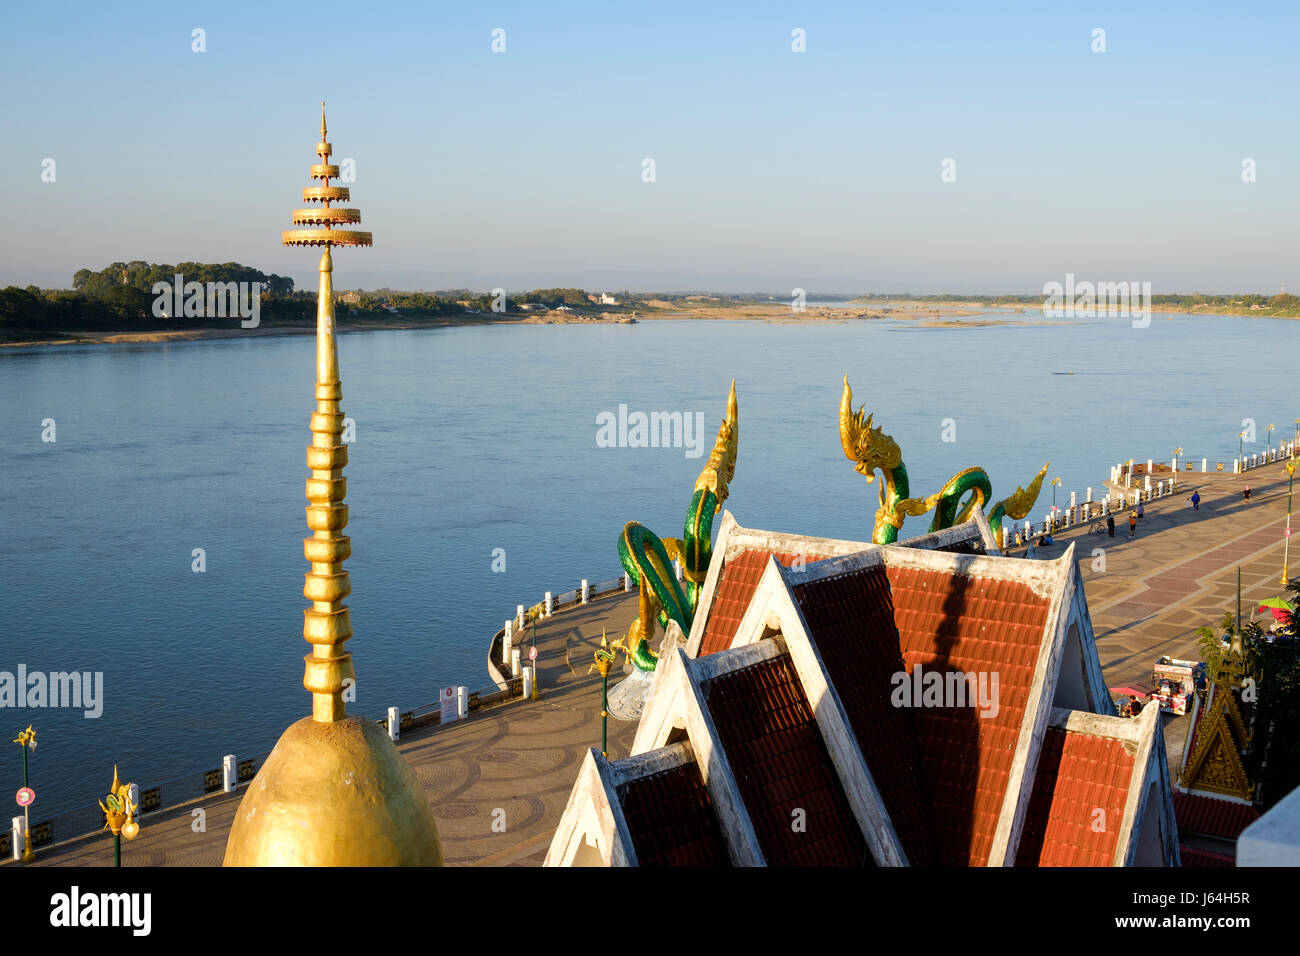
(410,280)
(774,169)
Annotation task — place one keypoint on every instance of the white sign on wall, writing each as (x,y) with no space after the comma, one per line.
(447,711)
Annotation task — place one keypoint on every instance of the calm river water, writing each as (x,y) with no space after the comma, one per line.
(473,439)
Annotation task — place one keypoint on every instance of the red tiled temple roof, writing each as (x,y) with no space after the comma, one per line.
(1194,856)
(851,621)
(1078,775)
(953,622)
(780,765)
(1212,817)
(671,820)
(735,587)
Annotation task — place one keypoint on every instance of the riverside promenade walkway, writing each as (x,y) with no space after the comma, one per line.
(519,758)
(1178,574)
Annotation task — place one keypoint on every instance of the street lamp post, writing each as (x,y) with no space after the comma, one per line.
(1286,548)
(27,740)
(1268,440)
(605,656)
(533,656)
(1055,482)
(118,815)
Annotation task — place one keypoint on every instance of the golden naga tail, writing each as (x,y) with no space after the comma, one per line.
(1017,504)
(721,468)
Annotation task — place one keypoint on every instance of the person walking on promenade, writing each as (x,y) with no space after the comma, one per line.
(1110,525)
(1132,524)
(1246,494)
(1141,511)
(1196,501)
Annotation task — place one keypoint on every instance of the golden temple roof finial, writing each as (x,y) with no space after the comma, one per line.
(334,791)
(327,624)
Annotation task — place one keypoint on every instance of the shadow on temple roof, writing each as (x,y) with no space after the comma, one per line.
(842,703)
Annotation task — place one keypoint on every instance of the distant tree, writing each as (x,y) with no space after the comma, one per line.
(20,309)
(1274,707)
(129,304)
(1210,642)
(1277,719)
(279,285)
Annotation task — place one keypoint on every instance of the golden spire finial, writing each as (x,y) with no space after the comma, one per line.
(334,791)
(327,624)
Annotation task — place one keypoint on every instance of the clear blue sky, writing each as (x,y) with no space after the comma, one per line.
(773,168)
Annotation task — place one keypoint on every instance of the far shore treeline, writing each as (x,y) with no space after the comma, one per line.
(120,298)
(1281,304)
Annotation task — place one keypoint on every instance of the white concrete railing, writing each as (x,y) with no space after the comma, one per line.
(514,627)
(1242,463)
(1146,489)
(1269,456)
(1082,512)
(585,593)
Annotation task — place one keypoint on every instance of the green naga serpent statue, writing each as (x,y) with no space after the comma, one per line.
(870,449)
(648,560)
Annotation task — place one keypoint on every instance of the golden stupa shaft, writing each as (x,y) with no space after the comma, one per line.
(334,791)
(327,624)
